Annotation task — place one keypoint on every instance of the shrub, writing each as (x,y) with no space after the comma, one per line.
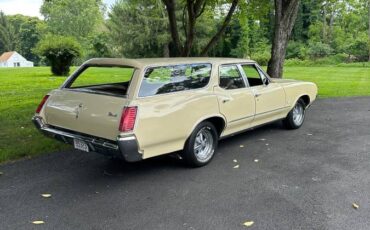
(59,52)
(295,50)
(261,58)
(319,50)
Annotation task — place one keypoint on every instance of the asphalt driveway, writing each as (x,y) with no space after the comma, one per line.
(304,179)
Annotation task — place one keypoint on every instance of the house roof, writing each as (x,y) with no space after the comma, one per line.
(5,56)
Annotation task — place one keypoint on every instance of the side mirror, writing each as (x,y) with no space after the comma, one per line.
(266,81)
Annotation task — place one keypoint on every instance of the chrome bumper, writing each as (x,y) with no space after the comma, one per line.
(125,147)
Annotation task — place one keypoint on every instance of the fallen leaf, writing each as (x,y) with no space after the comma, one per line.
(309,134)
(1,173)
(38,222)
(248,223)
(46,195)
(235,161)
(22,127)
(241,146)
(267,144)
(256,160)
(236,167)
(355,206)
(262,139)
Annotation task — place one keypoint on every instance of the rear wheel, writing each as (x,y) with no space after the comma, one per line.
(296,116)
(201,145)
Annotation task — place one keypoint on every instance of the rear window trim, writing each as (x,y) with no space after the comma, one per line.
(159,66)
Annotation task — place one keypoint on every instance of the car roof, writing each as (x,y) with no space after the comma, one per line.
(145,62)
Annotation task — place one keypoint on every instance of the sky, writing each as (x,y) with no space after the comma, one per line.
(28,7)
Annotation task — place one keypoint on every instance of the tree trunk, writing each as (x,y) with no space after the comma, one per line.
(221,31)
(171,11)
(324,34)
(285,16)
(190,27)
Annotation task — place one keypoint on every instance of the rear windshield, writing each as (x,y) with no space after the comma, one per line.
(166,79)
(105,80)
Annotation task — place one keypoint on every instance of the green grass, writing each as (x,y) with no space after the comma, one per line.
(22,89)
(334,81)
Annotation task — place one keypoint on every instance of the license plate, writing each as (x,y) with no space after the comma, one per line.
(80,145)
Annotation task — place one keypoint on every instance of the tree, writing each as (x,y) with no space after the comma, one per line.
(6,34)
(27,33)
(59,52)
(192,10)
(138,28)
(76,18)
(285,16)
(368,43)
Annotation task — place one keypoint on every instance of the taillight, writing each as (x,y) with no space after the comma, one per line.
(128,118)
(42,103)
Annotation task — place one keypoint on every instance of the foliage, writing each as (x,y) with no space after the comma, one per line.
(100,46)
(27,33)
(76,18)
(319,50)
(59,52)
(139,28)
(6,34)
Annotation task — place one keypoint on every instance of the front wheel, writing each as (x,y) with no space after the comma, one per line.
(296,116)
(200,147)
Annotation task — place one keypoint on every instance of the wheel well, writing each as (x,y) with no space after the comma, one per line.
(218,122)
(306,99)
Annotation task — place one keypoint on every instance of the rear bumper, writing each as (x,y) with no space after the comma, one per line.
(125,147)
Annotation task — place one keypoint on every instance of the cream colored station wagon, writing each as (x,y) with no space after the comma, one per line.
(141,108)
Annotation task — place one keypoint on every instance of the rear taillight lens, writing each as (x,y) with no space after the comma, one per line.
(42,103)
(128,118)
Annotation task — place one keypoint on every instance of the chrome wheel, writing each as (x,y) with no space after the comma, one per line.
(204,145)
(298,114)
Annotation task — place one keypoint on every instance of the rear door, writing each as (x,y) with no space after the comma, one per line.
(235,99)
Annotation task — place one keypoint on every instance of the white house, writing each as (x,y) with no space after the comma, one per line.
(14,59)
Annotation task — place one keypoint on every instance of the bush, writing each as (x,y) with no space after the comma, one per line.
(359,49)
(319,50)
(296,50)
(334,60)
(59,52)
(261,58)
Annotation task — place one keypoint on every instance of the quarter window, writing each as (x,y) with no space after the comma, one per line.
(253,75)
(167,79)
(230,77)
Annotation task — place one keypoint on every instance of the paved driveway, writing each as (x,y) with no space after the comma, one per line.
(304,179)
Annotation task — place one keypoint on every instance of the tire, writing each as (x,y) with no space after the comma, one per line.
(295,117)
(201,146)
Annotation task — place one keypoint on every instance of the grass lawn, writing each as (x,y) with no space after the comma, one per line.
(22,89)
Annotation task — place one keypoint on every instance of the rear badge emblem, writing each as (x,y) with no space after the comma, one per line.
(112,114)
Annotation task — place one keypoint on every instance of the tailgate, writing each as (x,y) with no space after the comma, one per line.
(88,113)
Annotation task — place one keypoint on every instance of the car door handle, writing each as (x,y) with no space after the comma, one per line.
(257,94)
(225,100)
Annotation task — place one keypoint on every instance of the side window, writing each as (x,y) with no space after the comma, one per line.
(167,79)
(230,77)
(253,75)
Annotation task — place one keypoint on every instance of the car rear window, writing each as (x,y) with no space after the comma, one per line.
(167,79)
(108,80)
